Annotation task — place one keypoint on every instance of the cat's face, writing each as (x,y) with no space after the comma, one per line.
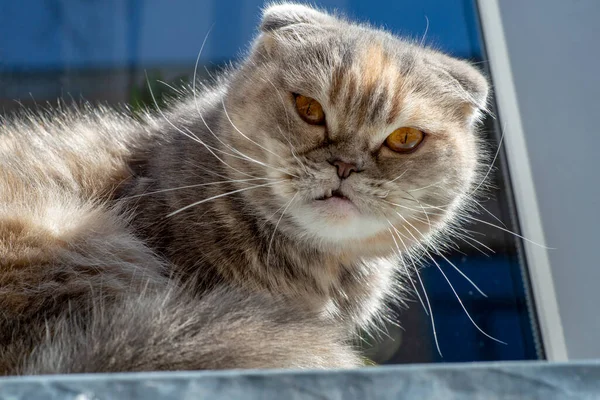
(364,130)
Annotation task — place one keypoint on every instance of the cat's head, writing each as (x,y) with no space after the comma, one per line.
(363,130)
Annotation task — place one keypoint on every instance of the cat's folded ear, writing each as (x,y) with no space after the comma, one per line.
(279,15)
(470,84)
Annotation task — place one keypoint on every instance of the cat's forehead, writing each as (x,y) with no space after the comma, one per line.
(367,78)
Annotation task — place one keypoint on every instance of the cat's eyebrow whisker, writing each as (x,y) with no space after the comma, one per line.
(194,186)
(276,226)
(221,195)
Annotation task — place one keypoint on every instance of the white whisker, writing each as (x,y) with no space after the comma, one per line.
(222,195)
(194,186)
(190,135)
(511,232)
(449,283)
(439,253)
(435,338)
(425,187)
(491,164)
(489,213)
(462,305)
(406,269)
(243,134)
(197,106)
(463,274)
(277,225)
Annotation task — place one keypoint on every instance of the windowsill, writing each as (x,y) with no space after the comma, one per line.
(499,380)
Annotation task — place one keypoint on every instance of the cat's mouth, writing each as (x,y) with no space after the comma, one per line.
(336,202)
(332,194)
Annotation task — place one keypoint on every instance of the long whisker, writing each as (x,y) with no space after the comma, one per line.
(455,267)
(491,164)
(243,134)
(194,186)
(511,232)
(425,33)
(422,208)
(406,270)
(425,187)
(196,104)
(468,238)
(488,212)
(468,217)
(449,283)
(190,135)
(222,195)
(277,225)
(287,116)
(435,338)
(462,274)
(462,305)
(399,176)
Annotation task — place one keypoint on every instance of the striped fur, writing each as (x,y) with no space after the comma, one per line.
(115,232)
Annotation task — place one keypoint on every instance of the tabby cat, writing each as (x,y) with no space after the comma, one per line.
(256,222)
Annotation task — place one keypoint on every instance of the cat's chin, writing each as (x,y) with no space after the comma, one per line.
(336,219)
(337,207)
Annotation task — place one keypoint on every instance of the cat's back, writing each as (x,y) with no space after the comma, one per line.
(59,233)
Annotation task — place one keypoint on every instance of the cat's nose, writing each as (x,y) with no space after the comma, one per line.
(344,169)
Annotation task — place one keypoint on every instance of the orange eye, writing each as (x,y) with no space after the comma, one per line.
(404,140)
(310,110)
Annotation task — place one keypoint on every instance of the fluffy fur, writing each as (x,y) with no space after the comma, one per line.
(116,231)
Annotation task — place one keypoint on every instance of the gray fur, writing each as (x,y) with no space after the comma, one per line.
(135,222)
(172,331)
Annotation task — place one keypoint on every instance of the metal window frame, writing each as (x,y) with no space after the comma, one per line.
(510,116)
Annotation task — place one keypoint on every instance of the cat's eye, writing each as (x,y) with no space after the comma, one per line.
(404,140)
(309,110)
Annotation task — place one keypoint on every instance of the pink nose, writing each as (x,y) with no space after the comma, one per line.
(344,169)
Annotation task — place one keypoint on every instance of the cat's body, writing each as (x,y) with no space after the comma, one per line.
(227,231)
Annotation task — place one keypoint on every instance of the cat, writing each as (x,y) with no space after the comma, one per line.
(256,222)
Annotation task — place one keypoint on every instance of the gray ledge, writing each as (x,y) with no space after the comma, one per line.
(489,381)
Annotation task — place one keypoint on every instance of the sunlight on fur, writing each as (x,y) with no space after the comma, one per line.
(258,221)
